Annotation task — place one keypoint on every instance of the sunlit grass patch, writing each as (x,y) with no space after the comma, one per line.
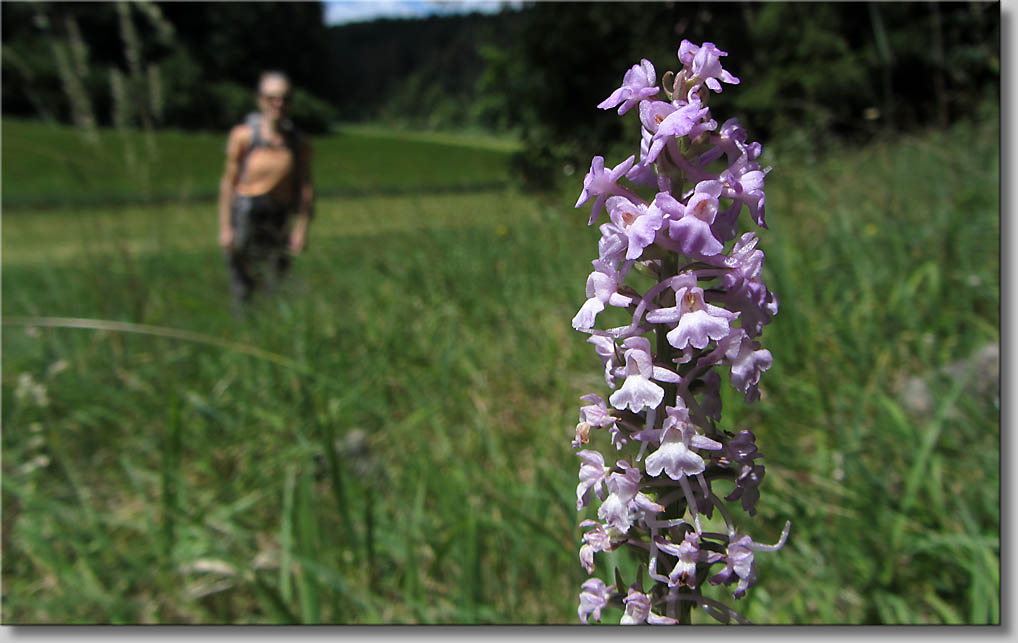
(49,165)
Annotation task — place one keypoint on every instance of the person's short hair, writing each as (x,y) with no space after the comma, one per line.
(273,73)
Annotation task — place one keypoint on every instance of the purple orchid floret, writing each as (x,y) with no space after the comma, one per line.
(593,597)
(682,121)
(596,414)
(638,391)
(675,457)
(739,561)
(688,555)
(625,499)
(705,63)
(732,133)
(747,487)
(697,323)
(592,477)
(638,84)
(748,361)
(745,261)
(671,209)
(638,610)
(743,158)
(731,141)
(615,511)
(693,229)
(594,540)
(612,246)
(739,566)
(742,448)
(602,184)
(741,451)
(653,114)
(747,188)
(700,129)
(639,223)
(618,437)
(602,290)
(701,314)
(755,303)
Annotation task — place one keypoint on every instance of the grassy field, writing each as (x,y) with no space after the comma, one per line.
(50,165)
(386,440)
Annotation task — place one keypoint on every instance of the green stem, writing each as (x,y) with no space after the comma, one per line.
(686,611)
(669,267)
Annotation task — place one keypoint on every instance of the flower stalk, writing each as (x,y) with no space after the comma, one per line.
(676,219)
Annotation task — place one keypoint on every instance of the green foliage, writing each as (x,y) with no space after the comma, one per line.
(402,456)
(189,102)
(422,73)
(311,114)
(418,103)
(26,66)
(233,102)
(494,107)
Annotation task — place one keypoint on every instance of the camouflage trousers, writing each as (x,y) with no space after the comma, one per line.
(259,256)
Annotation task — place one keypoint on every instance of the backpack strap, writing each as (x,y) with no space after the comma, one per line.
(254,121)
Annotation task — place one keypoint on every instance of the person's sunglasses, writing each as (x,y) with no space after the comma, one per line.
(281,98)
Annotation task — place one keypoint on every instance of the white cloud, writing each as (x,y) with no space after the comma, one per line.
(343,11)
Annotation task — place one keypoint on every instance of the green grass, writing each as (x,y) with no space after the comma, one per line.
(50,165)
(888,261)
(407,459)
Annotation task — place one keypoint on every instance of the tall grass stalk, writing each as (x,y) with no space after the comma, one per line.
(72,66)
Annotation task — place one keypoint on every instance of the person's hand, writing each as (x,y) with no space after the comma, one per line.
(297,239)
(226,238)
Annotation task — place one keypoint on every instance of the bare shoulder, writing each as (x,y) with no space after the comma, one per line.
(239,140)
(241,134)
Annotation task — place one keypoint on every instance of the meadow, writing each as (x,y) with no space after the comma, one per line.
(386,439)
(51,166)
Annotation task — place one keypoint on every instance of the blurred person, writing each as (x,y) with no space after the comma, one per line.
(265,195)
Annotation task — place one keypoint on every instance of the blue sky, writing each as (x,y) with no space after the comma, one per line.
(344,11)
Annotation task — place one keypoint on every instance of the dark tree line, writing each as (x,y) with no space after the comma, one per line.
(183,64)
(422,72)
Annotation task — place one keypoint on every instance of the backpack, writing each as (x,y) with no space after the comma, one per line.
(292,139)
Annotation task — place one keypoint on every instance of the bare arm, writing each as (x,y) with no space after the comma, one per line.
(235,146)
(305,207)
